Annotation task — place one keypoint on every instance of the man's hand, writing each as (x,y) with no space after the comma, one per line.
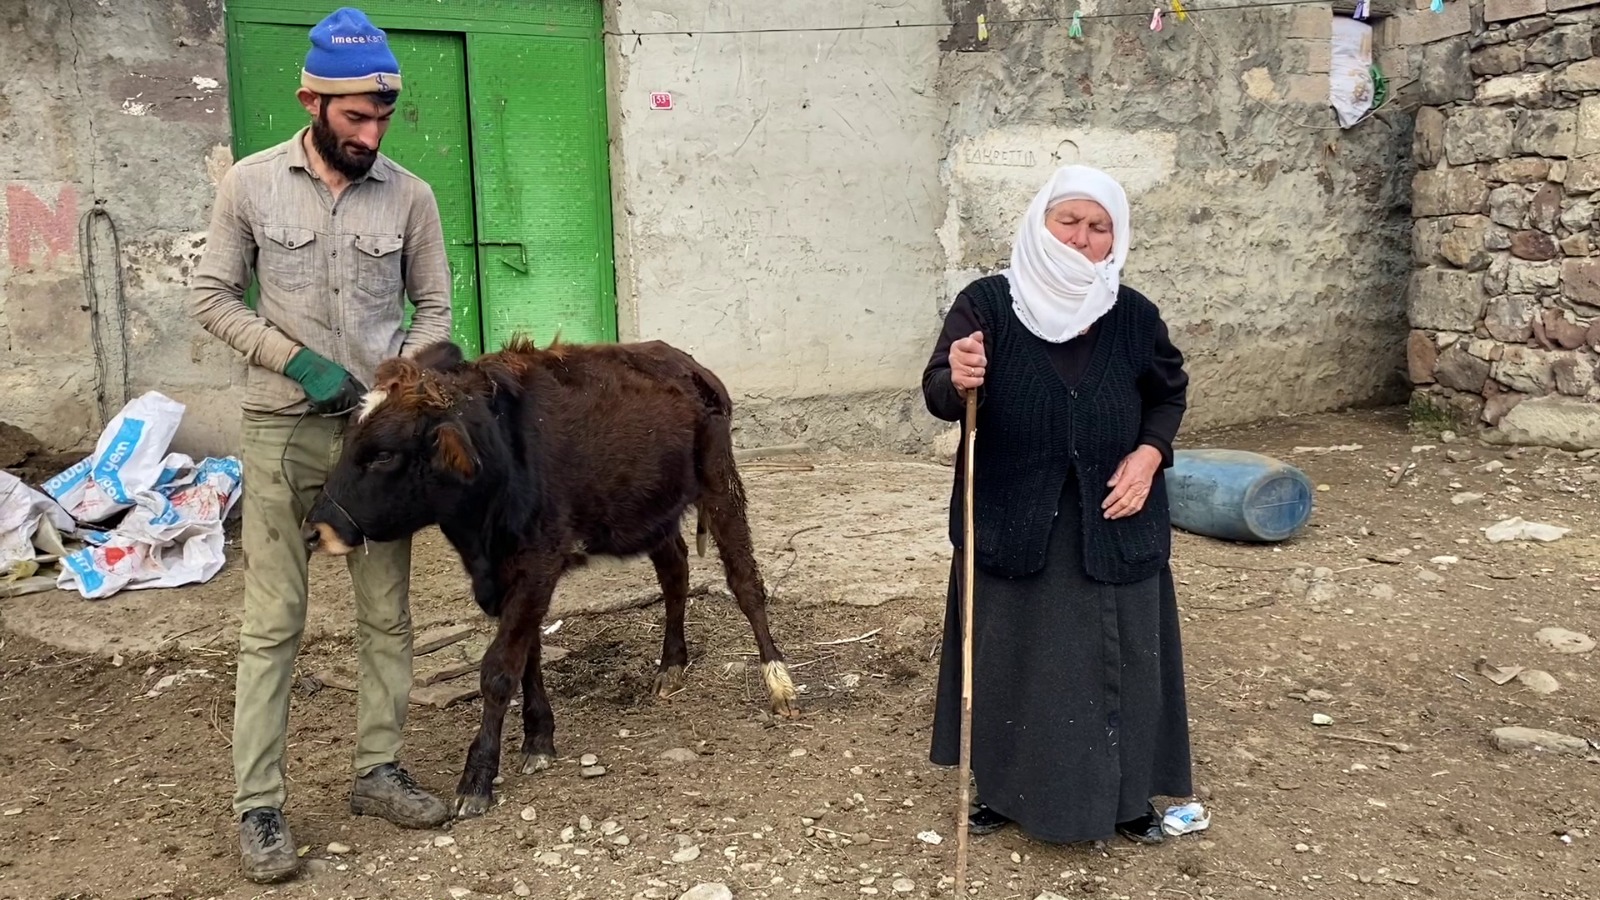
(968,362)
(1130,484)
(332,390)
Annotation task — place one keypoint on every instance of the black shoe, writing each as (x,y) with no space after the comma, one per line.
(267,852)
(984,820)
(1144,830)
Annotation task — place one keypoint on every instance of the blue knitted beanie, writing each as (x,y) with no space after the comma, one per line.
(349,55)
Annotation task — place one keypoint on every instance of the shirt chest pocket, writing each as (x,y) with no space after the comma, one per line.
(287,259)
(377,259)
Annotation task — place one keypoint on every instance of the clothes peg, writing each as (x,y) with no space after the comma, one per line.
(1155,20)
(1177,7)
(1076,28)
(1438,6)
(1363,11)
(983,28)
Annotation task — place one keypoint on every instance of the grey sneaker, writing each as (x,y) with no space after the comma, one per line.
(266,850)
(389,792)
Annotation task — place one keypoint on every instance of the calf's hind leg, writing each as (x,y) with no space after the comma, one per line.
(671,560)
(724,500)
(538,721)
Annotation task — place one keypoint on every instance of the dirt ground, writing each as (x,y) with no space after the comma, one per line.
(23,456)
(115,781)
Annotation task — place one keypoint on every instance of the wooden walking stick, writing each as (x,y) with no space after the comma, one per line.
(968,551)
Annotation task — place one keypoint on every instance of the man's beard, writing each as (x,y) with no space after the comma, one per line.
(327,144)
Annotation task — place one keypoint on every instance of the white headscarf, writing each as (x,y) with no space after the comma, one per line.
(1055,290)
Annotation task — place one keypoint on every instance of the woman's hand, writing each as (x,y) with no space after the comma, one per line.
(1130,484)
(968,362)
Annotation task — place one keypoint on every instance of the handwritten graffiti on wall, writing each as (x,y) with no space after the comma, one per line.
(39,229)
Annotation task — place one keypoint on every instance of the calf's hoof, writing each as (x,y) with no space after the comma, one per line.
(781,688)
(669,681)
(536,762)
(470,806)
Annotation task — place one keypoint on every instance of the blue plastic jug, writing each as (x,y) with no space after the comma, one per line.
(1238,495)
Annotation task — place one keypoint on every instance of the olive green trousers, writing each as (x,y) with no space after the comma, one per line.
(286,460)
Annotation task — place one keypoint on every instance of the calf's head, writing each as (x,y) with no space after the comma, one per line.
(409,454)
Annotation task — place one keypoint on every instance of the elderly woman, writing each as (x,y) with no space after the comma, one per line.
(1078,713)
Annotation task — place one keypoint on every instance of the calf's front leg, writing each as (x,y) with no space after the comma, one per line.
(504,667)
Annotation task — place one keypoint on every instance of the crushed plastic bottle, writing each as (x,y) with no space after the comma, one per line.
(1185,819)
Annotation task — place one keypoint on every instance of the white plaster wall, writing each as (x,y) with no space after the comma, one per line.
(779,222)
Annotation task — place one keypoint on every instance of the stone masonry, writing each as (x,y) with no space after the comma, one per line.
(1505,293)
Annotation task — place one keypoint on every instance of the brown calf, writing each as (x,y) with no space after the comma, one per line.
(530,461)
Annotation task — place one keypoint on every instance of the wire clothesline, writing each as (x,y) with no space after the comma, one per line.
(1182,12)
(1176,8)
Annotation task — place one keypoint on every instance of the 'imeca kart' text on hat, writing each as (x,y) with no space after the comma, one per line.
(350,55)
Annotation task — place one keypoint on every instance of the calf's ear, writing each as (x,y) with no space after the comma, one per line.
(443,356)
(453,451)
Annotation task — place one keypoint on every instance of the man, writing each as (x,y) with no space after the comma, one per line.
(335,232)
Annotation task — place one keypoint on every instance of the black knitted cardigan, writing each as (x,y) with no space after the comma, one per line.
(1034,429)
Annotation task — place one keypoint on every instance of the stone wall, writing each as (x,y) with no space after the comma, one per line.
(1505,295)
(1272,240)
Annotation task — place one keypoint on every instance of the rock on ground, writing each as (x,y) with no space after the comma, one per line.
(686,854)
(1539,682)
(1515,529)
(1514,738)
(710,891)
(1562,640)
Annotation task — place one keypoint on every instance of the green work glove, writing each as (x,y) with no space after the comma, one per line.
(332,390)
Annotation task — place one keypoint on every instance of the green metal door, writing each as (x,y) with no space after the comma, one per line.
(544,197)
(428,135)
(520,170)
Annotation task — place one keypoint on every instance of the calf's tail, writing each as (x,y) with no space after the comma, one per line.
(714,445)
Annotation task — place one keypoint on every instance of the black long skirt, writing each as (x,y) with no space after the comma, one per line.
(1079,715)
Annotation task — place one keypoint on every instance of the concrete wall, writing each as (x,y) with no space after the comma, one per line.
(803,215)
(1505,303)
(121,105)
(779,221)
